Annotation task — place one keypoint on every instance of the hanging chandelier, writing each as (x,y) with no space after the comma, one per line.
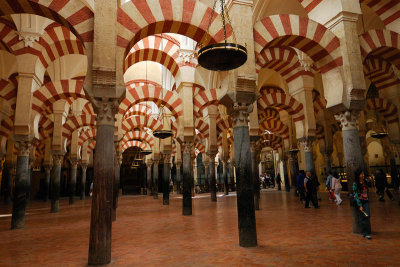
(222,56)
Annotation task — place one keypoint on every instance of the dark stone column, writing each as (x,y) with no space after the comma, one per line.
(187,179)
(117,164)
(149,180)
(352,153)
(47,169)
(72,184)
(7,176)
(102,199)
(178,178)
(293,167)
(244,182)
(225,175)
(166,175)
(213,189)
(155,179)
(285,173)
(83,181)
(307,146)
(21,186)
(55,189)
(254,171)
(206,174)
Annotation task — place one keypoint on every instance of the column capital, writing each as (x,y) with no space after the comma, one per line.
(188,147)
(74,162)
(167,158)
(306,143)
(84,166)
(57,158)
(348,119)
(24,148)
(240,114)
(106,109)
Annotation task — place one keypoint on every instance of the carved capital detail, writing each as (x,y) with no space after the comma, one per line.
(348,119)
(186,55)
(24,148)
(57,159)
(167,158)
(74,163)
(240,114)
(28,38)
(306,144)
(188,147)
(105,111)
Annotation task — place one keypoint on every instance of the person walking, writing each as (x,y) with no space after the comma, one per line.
(310,188)
(278,181)
(336,188)
(381,185)
(329,186)
(360,191)
(300,184)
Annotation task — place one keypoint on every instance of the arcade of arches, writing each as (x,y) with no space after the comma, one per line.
(83,84)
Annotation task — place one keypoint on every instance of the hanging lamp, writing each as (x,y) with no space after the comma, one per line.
(222,56)
(164,132)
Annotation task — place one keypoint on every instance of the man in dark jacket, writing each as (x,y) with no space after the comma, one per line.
(300,184)
(310,188)
(381,185)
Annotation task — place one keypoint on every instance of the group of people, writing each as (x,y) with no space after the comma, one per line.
(307,188)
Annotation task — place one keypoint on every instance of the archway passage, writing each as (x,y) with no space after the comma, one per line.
(133,171)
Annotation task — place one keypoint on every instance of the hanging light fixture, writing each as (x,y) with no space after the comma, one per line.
(164,132)
(222,56)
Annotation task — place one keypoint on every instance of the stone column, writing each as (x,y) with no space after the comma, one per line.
(55,189)
(100,222)
(285,173)
(72,184)
(155,178)
(187,179)
(352,153)
(21,186)
(293,167)
(306,144)
(244,182)
(166,175)
(225,175)
(7,176)
(83,181)
(206,174)
(47,169)
(117,164)
(178,178)
(149,180)
(213,189)
(254,170)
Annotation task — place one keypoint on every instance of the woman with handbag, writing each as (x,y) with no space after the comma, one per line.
(360,191)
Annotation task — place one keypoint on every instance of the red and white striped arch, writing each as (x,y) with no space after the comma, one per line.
(138,144)
(276,127)
(45,128)
(8,91)
(380,72)
(314,39)
(384,44)
(268,113)
(271,140)
(138,19)
(88,134)
(6,126)
(203,99)
(138,110)
(75,122)
(387,10)
(74,15)
(384,107)
(284,61)
(45,96)
(202,127)
(141,136)
(319,102)
(88,109)
(224,123)
(282,101)
(8,36)
(139,94)
(134,122)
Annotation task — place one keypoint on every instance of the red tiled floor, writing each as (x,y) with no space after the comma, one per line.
(147,233)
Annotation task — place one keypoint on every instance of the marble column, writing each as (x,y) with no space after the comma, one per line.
(306,144)
(102,199)
(254,170)
(72,184)
(7,176)
(155,178)
(206,174)
(293,167)
(117,165)
(149,180)
(213,189)
(56,178)
(166,175)
(21,187)
(244,182)
(352,153)
(187,178)
(83,181)
(225,175)
(178,178)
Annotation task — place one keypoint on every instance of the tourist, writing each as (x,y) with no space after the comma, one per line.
(329,186)
(360,191)
(278,181)
(381,185)
(300,184)
(336,188)
(310,188)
